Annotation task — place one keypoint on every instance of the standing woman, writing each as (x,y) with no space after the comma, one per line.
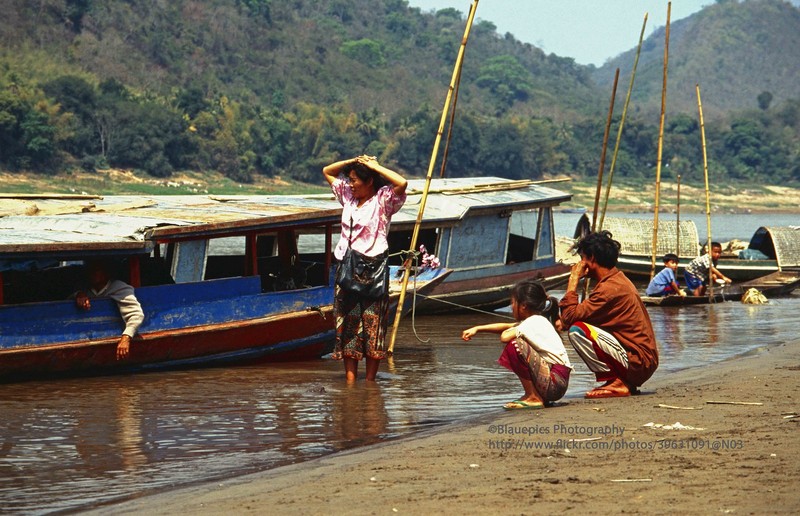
(370,194)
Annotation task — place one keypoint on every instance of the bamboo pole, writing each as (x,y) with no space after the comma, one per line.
(678,222)
(622,124)
(603,151)
(660,144)
(705,177)
(434,152)
(450,125)
(602,165)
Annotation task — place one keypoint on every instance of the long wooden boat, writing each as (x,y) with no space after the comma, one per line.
(491,232)
(778,248)
(777,284)
(220,280)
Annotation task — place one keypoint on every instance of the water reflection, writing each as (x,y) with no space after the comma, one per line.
(69,443)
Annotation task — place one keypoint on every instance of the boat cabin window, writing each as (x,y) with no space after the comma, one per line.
(52,280)
(284,260)
(30,283)
(522,236)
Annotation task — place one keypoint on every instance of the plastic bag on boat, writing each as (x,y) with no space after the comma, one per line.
(754,297)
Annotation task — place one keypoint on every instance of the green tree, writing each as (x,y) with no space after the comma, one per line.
(366,51)
(506,79)
(764,100)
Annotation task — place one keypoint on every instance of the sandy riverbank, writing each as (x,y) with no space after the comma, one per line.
(736,458)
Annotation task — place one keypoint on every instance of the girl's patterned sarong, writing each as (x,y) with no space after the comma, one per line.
(550,380)
(360,326)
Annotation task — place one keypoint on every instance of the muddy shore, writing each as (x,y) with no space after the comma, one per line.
(669,449)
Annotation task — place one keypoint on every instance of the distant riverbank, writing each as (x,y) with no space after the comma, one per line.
(630,197)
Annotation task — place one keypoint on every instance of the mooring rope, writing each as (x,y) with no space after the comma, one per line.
(414,255)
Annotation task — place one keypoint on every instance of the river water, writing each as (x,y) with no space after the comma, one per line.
(72,444)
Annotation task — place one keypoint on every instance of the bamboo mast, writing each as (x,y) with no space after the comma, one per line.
(705,176)
(450,125)
(603,152)
(621,124)
(602,165)
(660,145)
(434,152)
(678,222)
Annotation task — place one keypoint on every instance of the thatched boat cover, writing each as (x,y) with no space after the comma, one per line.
(636,235)
(781,243)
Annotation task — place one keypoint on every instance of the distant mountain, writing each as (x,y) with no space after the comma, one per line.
(735,51)
(281,88)
(362,54)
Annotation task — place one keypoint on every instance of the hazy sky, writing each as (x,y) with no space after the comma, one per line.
(589,31)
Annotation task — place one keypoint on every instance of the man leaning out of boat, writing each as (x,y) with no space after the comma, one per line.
(100,284)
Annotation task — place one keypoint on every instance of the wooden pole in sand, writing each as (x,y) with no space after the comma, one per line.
(621,125)
(660,145)
(434,153)
(705,177)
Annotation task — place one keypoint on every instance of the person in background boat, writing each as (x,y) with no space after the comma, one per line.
(610,329)
(100,284)
(370,194)
(703,268)
(665,283)
(533,348)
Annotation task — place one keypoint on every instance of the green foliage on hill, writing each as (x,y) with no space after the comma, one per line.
(261,87)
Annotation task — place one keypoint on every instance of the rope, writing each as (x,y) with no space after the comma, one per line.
(465,307)
(415,255)
(411,254)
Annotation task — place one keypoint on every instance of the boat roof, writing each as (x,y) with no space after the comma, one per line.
(783,240)
(32,226)
(58,224)
(636,235)
(450,200)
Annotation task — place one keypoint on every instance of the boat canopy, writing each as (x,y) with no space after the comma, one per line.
(58,227)
(636,235)
(780,243)
(449,200)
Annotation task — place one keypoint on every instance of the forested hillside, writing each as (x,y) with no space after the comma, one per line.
(744,55)
(262,87)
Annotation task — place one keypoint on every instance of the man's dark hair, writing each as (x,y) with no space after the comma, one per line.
(670,257)
(600,246)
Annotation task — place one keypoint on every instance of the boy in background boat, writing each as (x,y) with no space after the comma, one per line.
(665,283)
(702,269)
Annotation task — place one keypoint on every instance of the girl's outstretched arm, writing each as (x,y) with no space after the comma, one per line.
(489,328)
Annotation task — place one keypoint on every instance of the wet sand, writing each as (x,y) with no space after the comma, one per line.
(738,458)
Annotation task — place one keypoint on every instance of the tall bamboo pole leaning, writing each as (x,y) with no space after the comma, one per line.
(705,177)
(603,152)
(450,125)
(602,165)
(621,125)
(434,153)
(660,145)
